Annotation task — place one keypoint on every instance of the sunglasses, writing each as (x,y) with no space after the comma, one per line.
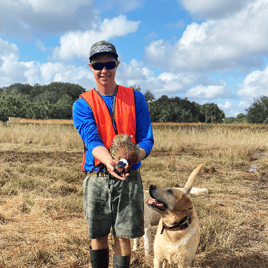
(98,66)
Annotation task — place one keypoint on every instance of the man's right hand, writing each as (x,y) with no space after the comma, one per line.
(103,155)
(111,164)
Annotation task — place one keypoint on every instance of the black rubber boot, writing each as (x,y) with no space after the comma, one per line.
(99,258)
(121,261)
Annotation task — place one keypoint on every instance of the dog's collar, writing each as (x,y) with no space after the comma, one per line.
(182,224)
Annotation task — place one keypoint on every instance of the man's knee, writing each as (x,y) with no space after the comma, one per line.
(123,241)
(100,243)
(122,246)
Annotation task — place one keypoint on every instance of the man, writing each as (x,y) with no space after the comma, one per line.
(110,200)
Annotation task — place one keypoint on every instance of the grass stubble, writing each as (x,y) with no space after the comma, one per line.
(41,215)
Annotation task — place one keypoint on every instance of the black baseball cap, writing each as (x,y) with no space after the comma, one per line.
(102,47)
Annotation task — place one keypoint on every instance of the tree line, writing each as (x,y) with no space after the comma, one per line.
(176,109)
(55,100)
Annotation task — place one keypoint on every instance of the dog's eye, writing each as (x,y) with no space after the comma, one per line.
(170,191)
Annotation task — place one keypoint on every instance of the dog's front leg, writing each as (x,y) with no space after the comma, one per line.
(136,243)
(147,241)
(158,263)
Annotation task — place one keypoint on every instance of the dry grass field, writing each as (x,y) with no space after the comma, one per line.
(41,215)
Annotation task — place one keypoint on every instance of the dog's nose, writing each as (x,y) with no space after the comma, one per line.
(151,190)
(152,187)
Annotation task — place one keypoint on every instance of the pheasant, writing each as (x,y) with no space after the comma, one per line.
(125,151)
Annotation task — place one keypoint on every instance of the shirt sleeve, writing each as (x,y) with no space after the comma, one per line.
(84,122)
(144,132)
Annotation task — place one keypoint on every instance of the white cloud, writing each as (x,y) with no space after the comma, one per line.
(27,17)
(166,83)
(226,105)
(79,43)
(209,92)
(49,69)
(157,52)
(59,72)
(7,48)
(31,72)
(243,104)
(134,73)
(62,7)
(214,8)
(233,42)
(234,107)
(195,34)
(254,85)
(12,71)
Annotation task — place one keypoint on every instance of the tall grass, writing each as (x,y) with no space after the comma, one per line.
(228,146)
(55,136)
(41,214)
(228,142)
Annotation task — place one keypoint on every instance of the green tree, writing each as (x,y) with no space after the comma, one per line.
(229,120)
(41,102)
(175,109)
(238,119)
(10,104)
(212,113)
(241,118)
(258,111)
(136,87)
(19,88)
(63,107)
(148,96)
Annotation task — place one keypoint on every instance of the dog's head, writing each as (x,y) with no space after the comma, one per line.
(172,199)
(164,199)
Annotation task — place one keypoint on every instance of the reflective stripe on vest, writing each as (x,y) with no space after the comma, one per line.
(124,114)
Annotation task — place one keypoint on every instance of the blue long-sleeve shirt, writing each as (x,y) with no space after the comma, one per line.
(84,121)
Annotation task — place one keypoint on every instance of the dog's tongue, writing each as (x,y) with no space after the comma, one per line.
(155,203)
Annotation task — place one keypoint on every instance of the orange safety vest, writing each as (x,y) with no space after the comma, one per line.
(124,115)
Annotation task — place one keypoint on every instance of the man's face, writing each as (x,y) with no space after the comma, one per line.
(104,76)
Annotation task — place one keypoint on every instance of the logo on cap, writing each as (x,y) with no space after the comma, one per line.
(102,48)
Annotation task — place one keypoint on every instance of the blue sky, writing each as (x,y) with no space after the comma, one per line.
(205,50)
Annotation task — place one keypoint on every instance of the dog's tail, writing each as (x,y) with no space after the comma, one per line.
(189,183)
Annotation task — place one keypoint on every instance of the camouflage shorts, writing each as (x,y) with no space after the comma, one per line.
(112,203)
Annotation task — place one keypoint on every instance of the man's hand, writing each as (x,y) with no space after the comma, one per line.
(102,154)
(111,164)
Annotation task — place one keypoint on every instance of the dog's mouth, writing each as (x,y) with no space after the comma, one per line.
(156,204)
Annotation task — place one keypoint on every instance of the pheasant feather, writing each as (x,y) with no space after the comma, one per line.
(124,149)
